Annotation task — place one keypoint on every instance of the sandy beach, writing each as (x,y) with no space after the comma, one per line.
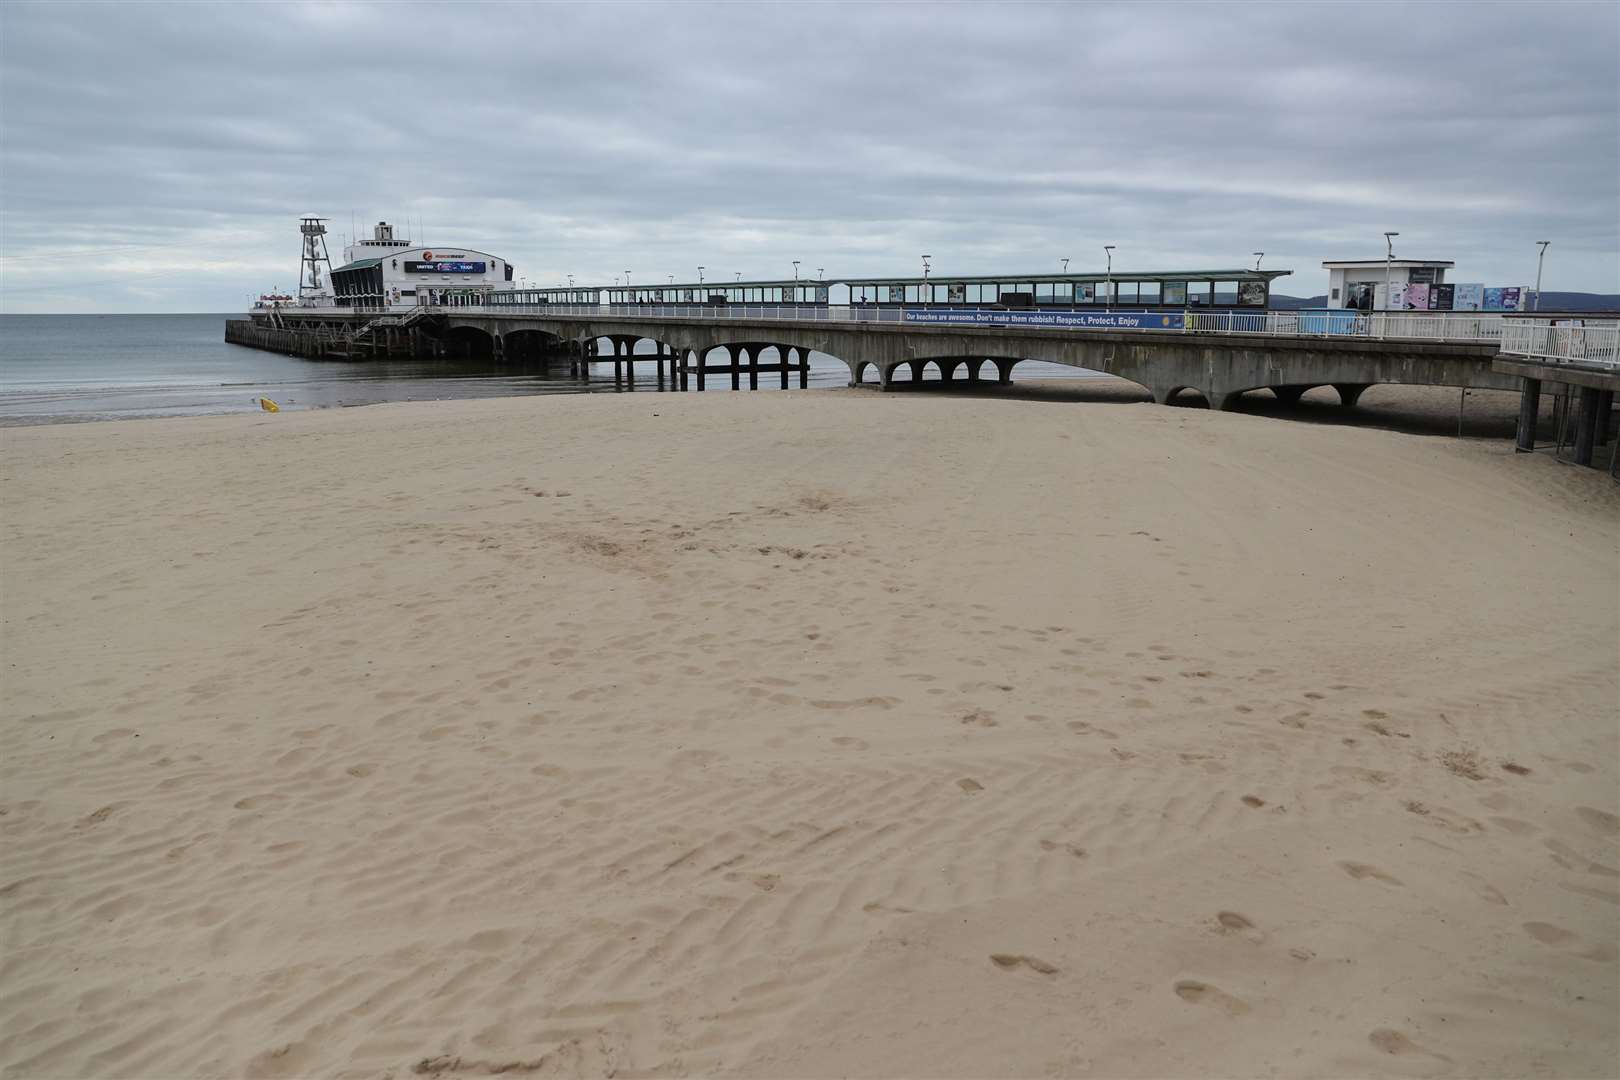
(804,734)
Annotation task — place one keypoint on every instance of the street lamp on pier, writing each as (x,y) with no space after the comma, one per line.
(1258,255)
(1540,256)
(1389,257)
(926,295)
(1108,296)
(819,270)
(700,275)
(795,269)
(1065,263)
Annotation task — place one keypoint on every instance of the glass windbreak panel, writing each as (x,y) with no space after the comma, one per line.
(911,294)
(1126,293)
(1147,292)
(1063,292)
(1044,292)
(1226,292)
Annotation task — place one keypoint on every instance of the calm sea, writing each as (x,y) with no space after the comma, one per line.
(66,368)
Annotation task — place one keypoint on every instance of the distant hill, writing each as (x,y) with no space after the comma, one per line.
(1550,301)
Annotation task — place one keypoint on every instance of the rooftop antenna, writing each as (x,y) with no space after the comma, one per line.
(314,254)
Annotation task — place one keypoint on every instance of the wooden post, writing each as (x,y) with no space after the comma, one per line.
(1529,413)
(1586,426)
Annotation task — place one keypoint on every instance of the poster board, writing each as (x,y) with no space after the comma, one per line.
(1469,296)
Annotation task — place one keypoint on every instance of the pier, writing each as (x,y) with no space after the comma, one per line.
(1220,365)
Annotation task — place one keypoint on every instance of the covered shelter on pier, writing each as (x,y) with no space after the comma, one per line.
(1178,289)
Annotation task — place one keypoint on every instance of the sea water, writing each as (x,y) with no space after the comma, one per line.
(66,368)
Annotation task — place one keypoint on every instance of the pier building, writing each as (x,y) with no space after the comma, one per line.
(384,272)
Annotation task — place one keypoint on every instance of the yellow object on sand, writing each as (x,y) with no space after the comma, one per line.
(268,406)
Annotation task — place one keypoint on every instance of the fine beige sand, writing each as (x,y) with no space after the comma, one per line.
(804,734)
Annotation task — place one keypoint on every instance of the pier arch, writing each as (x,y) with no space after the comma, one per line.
(469,343)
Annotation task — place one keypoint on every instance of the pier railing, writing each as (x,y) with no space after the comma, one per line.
(1454,326)
(1581,342)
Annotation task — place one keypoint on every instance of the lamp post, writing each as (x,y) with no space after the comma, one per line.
(1389,257)
(926,295)
(795,269)
(1065,265)
(1258,255)
(1108,300)
(1540,257)
(700,276)
(819,271)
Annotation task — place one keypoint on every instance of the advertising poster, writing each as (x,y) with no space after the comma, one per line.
(1421,275)
(1417,297)
(956,294)
(1441,297)
(821,294)
(1470,296)
(1175,292)
(897,294)
(1251,294)
(1118,320)
(1086,294)
(1493,300)
(1510,298)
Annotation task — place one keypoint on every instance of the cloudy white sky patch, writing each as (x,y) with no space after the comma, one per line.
(156,157)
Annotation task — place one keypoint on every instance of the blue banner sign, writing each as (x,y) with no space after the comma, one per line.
(1072,320)
(412,266)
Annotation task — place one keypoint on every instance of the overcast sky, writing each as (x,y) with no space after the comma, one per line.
(156,157)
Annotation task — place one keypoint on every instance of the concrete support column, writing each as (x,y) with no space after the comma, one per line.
(701,380)
(804,368)
(1605,416)
(1350,393)
(1586,426)
(753,366)
(1529,413)
(785,354)
(736,365)
(1004,371)
(1288,395)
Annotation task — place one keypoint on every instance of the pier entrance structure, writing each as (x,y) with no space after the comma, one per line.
(383,273)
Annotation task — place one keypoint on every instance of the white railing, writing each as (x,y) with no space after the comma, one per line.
(1453,326)
(1589,342)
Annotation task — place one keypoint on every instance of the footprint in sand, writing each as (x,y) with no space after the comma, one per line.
(1548,934)
(1198,993)
(1009,961)
(1230,922)
(1391,1041)
(1254,801)
(969,785)
(1360,871)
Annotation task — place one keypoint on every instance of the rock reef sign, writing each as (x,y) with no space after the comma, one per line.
(1078,320)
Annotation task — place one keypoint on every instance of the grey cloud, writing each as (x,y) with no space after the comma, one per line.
(162,152)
